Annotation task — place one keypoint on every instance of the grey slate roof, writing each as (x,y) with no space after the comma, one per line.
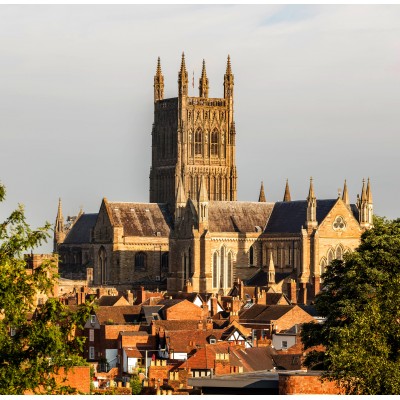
(260,278)
(238,216)
(141,219)
(80,231)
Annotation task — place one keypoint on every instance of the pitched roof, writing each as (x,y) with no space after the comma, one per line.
(238,216)
(81,230)
(141,219)
(118,315)
(289,217)
(176,325)
(254,358)
(111,300)
(204,358)
(272,313)
(189,339)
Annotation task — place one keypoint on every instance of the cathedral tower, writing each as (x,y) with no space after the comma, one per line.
(193,138)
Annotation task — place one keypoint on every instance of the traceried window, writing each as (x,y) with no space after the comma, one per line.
(251,256)
(198,142)
(222,268)
(339,224)
(215,143)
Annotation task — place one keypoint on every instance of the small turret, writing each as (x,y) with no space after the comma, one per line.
(183,78)
(311,207)
(203,84)
(158,83)
(261,197)
(286,196)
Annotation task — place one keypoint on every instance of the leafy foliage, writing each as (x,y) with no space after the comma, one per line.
(136,384)
(34,344)
(361,304)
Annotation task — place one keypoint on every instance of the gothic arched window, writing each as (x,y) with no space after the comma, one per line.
(215,143)
(339,253)
(140,261)
(103,265)
(198,142)
(322,266)
(330,256)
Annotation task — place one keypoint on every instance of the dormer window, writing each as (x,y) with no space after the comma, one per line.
(92,319)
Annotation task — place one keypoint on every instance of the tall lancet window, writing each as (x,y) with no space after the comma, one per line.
(198,142)
(215,270)
(229,270)
(215,143)
(222,269)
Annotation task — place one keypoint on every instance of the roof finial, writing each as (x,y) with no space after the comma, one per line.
(203,195)
(286,196)
(261,197)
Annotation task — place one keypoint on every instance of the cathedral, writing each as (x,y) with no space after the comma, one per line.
(194,233)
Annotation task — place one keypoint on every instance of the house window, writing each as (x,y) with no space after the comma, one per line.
(13,331)
(284,345)
(213,341)
(140,261)
(91,353)
(91,335)
(92,319)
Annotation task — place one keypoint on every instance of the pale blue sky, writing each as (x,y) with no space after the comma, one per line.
(317,93)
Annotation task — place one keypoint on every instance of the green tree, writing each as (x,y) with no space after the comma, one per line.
(136,384)
(32,348)
(361,303)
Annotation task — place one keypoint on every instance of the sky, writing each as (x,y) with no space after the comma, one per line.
(317,93)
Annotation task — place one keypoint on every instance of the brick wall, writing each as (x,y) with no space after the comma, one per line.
(306,384)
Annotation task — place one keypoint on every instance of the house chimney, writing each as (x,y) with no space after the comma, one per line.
(214,305)
(292,291)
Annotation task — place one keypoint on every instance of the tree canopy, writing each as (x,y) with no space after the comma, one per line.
(360,300)
(34,343)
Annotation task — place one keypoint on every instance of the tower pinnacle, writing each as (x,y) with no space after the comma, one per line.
(286,196)
(261,197)
(203,86)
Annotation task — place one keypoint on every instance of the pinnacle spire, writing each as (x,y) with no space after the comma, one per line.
(369,192)
(311,194)
(183,65)
(158,83)
(271,269)
(203,87)
(203,195)
(363,192)
(261,197)
(158,71)
(228,66)
(180,193)
(59,211)
(345,195)
(183,78)
(286,196)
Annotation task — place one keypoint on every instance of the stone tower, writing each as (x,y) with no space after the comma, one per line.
(193,138)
